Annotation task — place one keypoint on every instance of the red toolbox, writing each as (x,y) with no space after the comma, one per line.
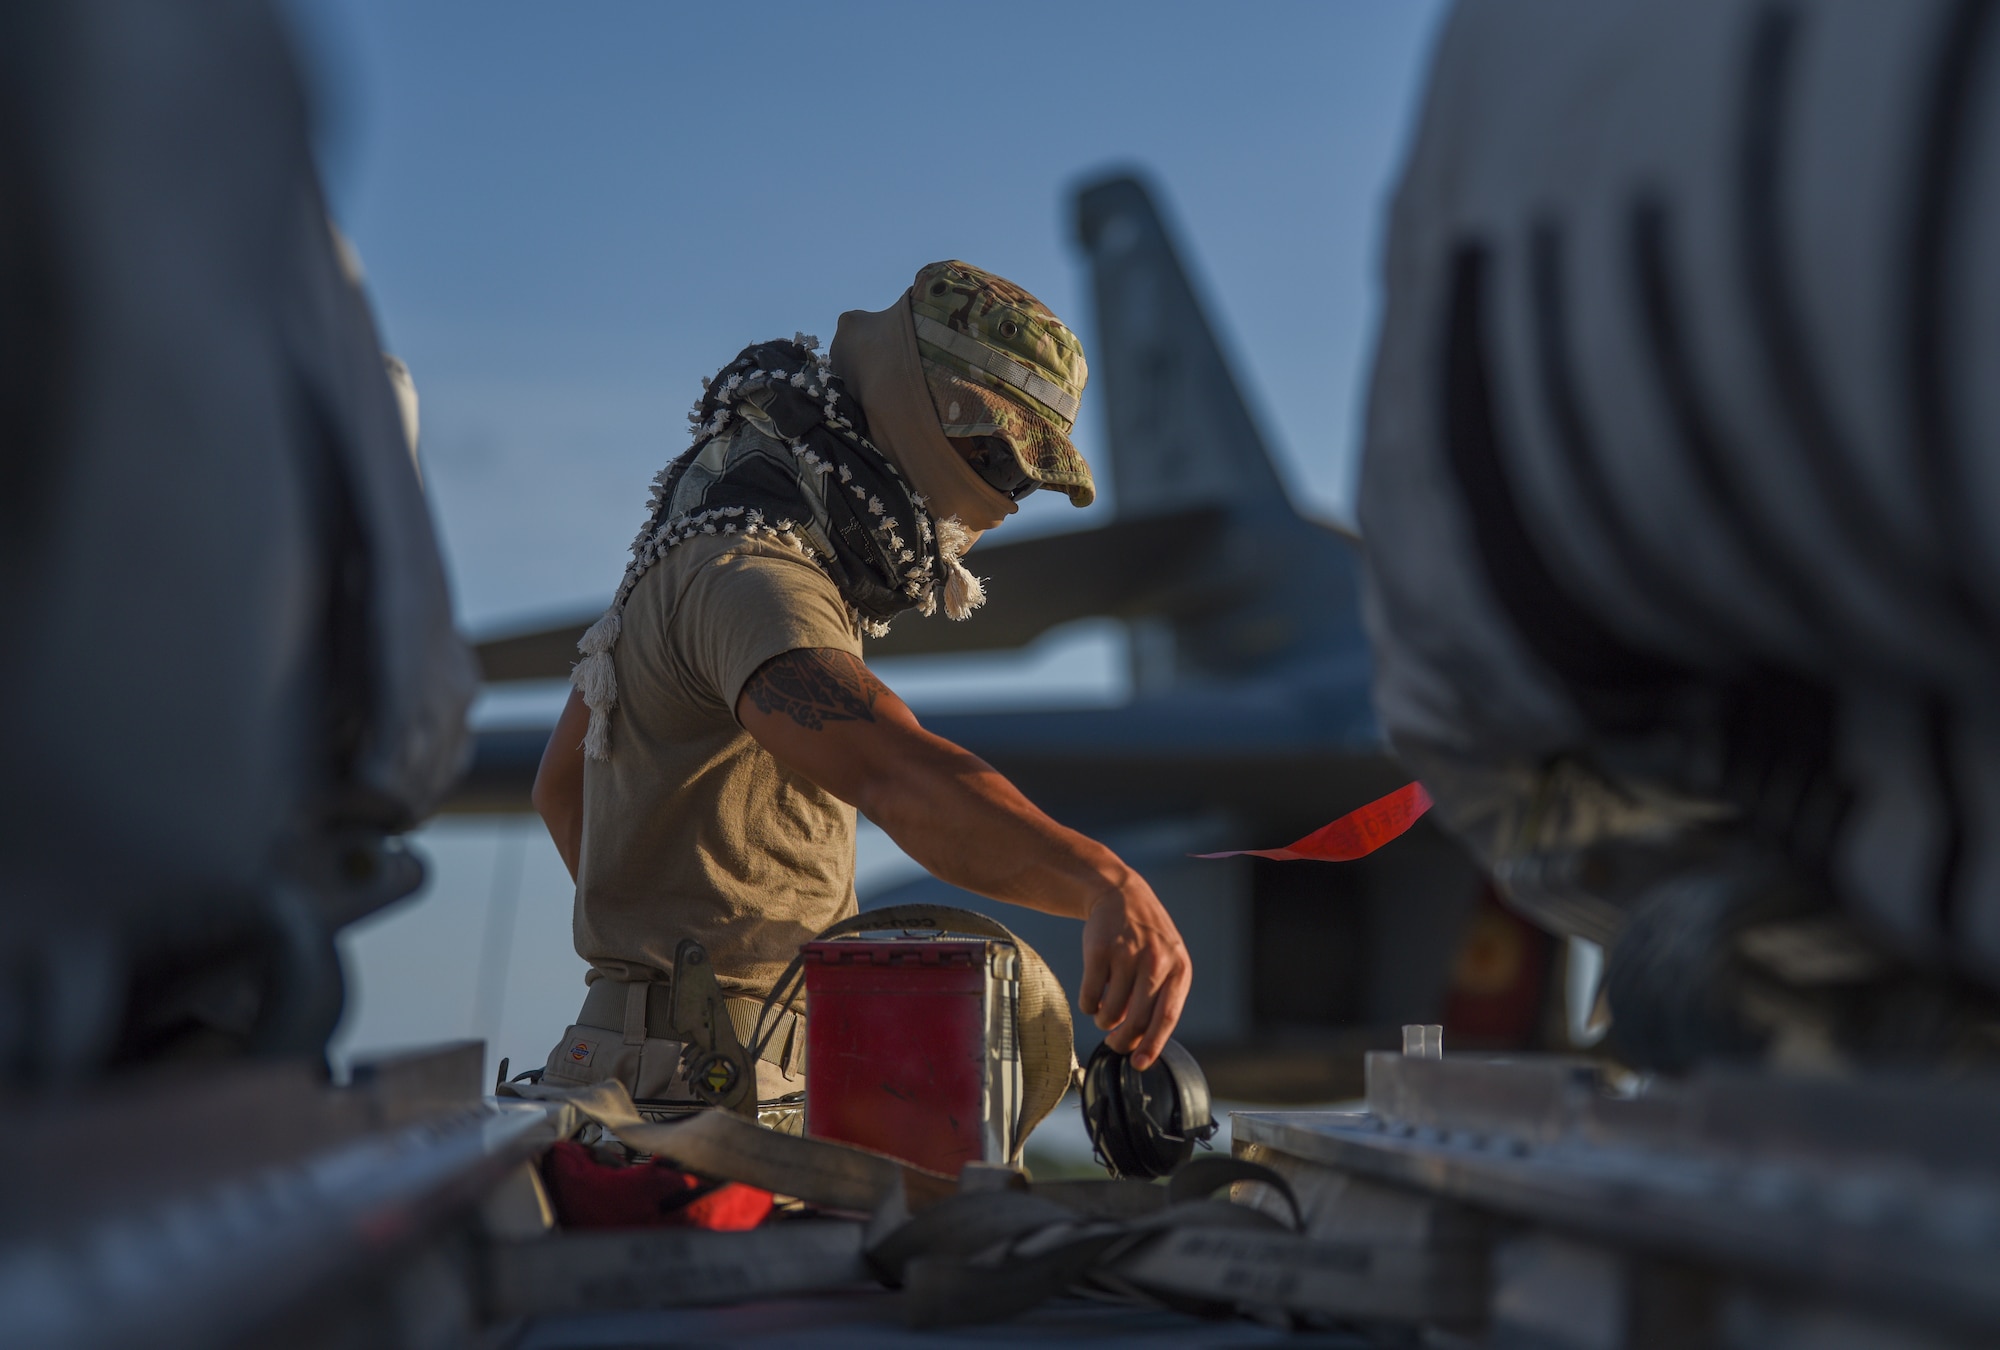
(910,1046)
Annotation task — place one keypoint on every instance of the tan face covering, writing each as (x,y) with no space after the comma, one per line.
(874,353)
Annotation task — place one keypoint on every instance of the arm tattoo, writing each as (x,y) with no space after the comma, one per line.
(814,686)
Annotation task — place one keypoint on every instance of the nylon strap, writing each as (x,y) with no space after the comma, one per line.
(939,1291)
(635,1014)
(1200,1178)
(976,1255)
(1009,372)
(962,1228)
(725,1145)
(984,1255)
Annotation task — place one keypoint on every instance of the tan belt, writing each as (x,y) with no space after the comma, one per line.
(644,1009)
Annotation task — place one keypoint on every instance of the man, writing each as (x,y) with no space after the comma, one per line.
(704,778)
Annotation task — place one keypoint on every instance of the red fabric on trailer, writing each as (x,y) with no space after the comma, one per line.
(1355,835)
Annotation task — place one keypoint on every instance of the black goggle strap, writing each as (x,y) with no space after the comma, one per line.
(998,467)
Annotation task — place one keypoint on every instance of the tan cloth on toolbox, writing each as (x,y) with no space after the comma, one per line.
(693,830)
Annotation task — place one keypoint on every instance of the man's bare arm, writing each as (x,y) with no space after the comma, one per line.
(823,714)
(558,790)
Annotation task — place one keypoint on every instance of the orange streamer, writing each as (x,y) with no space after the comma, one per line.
(1355,835)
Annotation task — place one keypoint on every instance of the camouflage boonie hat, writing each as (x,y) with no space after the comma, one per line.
(998,363)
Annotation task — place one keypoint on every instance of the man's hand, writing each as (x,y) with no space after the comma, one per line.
(824,715)
(1136,971)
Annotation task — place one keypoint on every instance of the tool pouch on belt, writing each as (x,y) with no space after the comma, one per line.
(678,1046)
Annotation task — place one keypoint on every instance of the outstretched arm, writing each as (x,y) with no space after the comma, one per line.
(821,713)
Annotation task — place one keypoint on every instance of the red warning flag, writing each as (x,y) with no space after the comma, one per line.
(1355,835)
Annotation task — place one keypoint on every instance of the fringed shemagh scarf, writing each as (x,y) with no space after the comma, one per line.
(822,489)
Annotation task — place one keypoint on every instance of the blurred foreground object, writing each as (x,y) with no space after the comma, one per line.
(227,653)
(1679,494)
(225,641)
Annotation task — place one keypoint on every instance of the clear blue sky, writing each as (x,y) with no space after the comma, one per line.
(569,212)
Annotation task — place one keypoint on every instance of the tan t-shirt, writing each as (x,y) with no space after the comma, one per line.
(691,828)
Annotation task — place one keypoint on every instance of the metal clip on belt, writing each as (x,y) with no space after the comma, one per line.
(690,1008)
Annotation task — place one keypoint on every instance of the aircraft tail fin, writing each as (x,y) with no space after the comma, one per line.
(1180,434)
